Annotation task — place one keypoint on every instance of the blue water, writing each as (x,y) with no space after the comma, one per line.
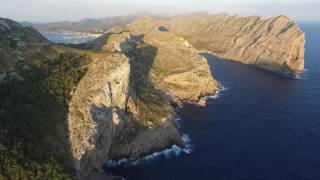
(67,38)
(265,126)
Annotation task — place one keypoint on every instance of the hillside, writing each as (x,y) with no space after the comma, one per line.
(275,44)
(72,110)
(36,80)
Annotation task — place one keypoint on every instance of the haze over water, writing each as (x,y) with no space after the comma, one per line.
(264,126)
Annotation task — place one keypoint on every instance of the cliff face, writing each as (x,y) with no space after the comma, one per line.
(96,111)
(178,67)
(276,44)
(121,107)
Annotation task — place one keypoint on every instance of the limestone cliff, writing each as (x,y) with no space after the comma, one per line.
(121,107)
(178,67)
(275,44)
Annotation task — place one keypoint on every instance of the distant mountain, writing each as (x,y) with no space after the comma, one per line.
(98,25)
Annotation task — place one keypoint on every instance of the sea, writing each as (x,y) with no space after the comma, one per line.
(261,126)
(68,38)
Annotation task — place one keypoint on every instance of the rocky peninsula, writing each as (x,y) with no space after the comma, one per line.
(275,44)
(114,97)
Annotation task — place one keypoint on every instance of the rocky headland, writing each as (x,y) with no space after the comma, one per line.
(114,97)
(122,108)
(275,44)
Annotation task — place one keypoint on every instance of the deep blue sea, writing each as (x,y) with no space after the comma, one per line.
(264,126)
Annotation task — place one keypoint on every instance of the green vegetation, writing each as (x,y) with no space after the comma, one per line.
(34,141)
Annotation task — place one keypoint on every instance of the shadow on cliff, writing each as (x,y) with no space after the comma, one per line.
(149,103)
(146,107)
(137,130)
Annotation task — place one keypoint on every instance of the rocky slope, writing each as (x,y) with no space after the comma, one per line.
(275,44)
(121,108)
(79,108)
(36,80)
(17,44)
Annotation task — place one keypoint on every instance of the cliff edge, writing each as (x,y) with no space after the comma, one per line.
(122,107)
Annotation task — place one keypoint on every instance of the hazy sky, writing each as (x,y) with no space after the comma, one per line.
(57,10)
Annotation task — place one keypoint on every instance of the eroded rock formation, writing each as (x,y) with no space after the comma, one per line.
(121,107)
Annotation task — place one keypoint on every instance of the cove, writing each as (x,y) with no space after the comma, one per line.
(264,126)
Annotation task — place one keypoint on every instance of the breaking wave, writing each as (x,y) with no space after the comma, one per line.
(218,93)
(167,153)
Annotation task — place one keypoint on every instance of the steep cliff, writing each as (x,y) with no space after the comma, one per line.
(178,67)
(121,107)
(275,44)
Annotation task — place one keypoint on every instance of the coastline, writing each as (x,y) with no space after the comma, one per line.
(73,33)
(173,151)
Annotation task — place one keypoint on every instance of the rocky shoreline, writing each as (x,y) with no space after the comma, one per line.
(119,91)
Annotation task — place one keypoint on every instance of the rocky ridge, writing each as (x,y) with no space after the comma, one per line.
(121,107)
(275,44)
(17,44)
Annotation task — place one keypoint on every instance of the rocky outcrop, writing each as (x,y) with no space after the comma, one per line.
(17,45)
(121,107)
(97,112)
(178,67)
(275,44)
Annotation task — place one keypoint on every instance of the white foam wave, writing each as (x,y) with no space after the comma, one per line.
(217,94)
(297,76)
(223,88)
(167,153)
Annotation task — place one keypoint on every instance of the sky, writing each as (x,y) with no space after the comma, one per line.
(73,10)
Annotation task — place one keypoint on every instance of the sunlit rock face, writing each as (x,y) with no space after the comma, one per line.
(275,44)
(122,108)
